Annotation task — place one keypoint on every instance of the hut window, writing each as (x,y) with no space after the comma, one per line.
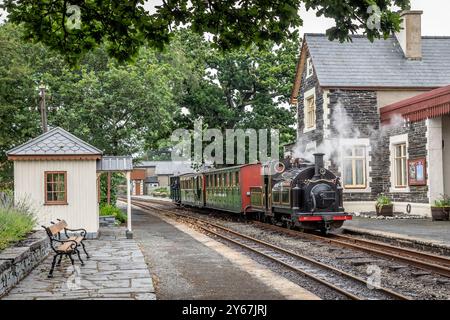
(355,167)
(55,187)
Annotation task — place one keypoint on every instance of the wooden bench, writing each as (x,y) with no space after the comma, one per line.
(65,247)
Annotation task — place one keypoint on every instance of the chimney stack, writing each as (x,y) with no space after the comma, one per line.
(410,35)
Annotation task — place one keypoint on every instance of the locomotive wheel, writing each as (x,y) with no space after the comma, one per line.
(289,225)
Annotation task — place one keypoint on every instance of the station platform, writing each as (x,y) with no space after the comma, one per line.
(186,264)
(115,271)
(423,231)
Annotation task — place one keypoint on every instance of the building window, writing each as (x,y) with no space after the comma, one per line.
(309,68)
(400,160)
(355,167)
(56,187)
(309,110)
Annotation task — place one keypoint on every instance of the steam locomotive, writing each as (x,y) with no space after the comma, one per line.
(291,193)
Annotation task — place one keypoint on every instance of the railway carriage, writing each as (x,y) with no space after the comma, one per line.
(228,189)
(302,195)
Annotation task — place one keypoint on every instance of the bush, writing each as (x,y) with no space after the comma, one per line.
(110,210)
(383,200)
(160,192)
(443,202)
(15,221)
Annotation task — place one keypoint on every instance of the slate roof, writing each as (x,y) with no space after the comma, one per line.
(54,142)
(167,167)
(362,63)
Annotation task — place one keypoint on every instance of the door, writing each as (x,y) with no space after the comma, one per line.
(138,188)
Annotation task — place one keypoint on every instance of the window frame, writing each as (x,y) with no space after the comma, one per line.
(309,124)
(309,68)
(55,202)
(404,160)
(354,158)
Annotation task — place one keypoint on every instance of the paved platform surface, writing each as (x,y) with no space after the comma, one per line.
(116,271)
(422,229)
(186,264)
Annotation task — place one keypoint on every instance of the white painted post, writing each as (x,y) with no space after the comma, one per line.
(129,201)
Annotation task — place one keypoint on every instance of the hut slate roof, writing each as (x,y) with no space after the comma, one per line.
(54,142)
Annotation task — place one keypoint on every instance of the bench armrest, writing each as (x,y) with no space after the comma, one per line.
(72,246)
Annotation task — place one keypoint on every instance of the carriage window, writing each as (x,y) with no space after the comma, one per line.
(237,178)
(285,196)
(56,187)
(355,167)
(276,196)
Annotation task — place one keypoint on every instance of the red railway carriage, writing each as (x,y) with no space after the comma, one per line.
(228,189)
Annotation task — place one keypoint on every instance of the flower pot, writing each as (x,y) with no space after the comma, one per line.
(386,210)
(447,213)
(439,213)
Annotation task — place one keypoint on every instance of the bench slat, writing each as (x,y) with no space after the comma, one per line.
(57,227)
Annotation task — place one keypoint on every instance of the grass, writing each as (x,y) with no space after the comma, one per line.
(110,210)
(16,221)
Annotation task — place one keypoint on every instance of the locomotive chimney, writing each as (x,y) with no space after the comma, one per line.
(318,164)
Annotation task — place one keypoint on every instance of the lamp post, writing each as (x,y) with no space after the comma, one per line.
(42,89)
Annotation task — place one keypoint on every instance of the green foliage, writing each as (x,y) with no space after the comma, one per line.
(15,221)
(443,202)
(125,26)
(110,210)
(160,192)
(242,88)
(383,200)
(116,179)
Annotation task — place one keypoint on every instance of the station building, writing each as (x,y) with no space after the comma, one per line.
(380,111)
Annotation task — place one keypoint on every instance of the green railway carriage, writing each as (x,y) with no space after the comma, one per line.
(191,189)
(223,190)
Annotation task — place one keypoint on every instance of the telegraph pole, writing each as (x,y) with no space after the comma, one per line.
(42,89)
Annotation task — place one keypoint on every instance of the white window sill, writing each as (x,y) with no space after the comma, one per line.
(309,129)
(356,190)
(399,190)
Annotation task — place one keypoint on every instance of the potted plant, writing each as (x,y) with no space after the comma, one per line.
(384,206)
(441,209)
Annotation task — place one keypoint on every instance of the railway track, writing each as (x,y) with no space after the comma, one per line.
(419,259)
(422,260)
(339,281)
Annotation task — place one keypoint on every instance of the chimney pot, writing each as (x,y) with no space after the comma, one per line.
(410,35)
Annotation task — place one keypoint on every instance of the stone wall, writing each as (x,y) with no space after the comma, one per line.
(307,84)
(417,148)
(16,262)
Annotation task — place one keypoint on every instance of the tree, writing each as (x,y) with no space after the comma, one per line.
(125,26)
(242,88)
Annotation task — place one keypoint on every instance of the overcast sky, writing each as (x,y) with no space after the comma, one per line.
(435,19)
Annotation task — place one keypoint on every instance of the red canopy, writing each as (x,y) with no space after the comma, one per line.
(431,104)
